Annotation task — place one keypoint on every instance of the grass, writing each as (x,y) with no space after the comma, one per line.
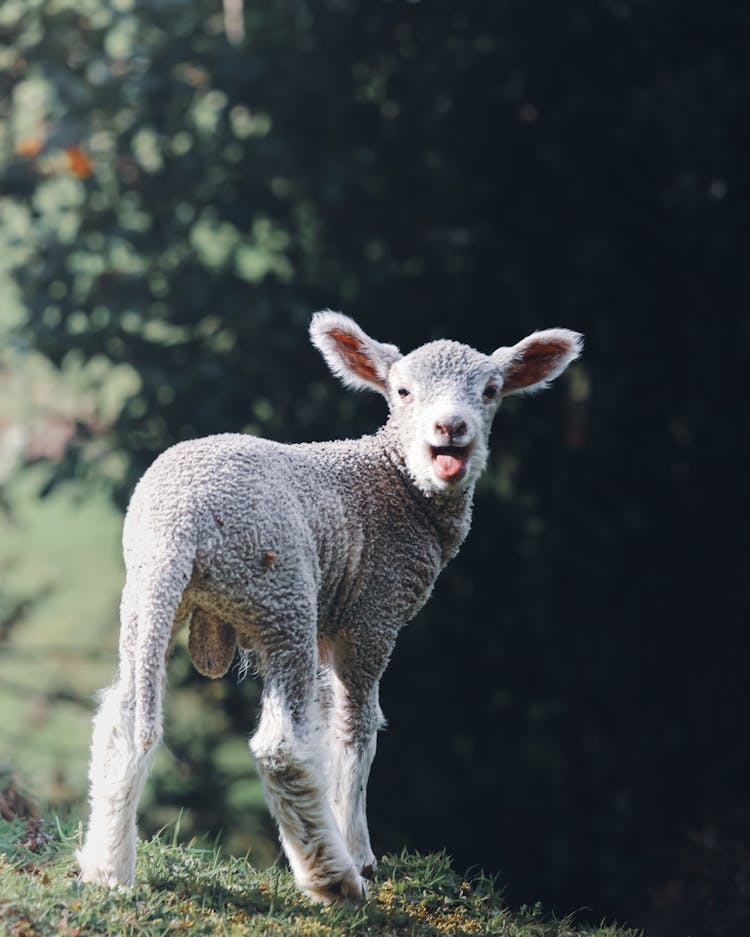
(189,888)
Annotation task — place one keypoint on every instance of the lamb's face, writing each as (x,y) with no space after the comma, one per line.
(443,397)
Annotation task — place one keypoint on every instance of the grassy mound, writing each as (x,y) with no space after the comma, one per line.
(191,889)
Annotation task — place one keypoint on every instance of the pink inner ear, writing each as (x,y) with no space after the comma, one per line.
(352,350)
(538,359)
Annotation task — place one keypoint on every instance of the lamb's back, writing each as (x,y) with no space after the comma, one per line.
(206,490)
(333,521)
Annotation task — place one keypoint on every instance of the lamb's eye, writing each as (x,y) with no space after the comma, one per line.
(403,392)
(490,392)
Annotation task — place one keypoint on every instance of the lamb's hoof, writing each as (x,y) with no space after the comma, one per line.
(351,887)
(98,877)
(92,873)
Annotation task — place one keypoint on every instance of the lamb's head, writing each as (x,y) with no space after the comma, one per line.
(442,396)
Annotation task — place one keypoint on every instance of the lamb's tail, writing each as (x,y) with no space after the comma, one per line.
(160,589)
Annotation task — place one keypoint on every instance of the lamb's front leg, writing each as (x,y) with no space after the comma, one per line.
(289,752)
(354,718)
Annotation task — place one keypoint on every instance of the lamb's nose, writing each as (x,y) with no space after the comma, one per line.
(450,428)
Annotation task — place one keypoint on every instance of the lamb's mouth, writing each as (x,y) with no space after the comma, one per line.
(450,462)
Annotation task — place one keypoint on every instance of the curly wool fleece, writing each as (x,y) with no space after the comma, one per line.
(347,538)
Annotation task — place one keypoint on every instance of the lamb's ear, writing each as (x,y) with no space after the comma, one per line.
(537,359)
(358,360)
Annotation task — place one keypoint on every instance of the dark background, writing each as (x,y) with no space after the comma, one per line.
(570,710)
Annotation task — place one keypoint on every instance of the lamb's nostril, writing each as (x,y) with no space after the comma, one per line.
(451,428)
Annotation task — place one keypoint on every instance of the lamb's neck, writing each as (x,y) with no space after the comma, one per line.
(449,513)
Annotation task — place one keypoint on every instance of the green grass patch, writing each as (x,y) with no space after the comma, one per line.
(189,888)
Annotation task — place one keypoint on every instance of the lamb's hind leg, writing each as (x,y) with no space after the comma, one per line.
(117,770)
(127,728)
(289,755)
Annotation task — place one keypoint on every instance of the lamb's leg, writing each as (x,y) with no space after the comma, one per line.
(117,770)
(354,719)
(127,728)
(289,754)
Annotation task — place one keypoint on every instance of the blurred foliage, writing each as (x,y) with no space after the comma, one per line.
(14,801)
(175,207)
(60,575)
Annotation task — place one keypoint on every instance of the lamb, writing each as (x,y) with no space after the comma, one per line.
(314,556)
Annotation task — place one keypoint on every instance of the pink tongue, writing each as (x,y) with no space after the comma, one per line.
(448,465)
